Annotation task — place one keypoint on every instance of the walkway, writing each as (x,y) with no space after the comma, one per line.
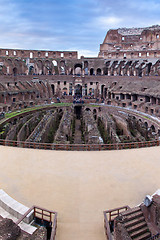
(78,134)
(79,185)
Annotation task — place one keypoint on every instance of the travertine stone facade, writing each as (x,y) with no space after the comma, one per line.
(131,43)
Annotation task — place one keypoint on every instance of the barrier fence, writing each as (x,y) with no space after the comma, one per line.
(79,147)
(44,215)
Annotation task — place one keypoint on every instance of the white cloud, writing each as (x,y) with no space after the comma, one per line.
(107,22)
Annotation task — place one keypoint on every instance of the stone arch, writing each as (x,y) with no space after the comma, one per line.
(146,125)
(106,68)
(86,67)
(53,89)
(55,67)
(39,67)
(153,128)
(47,68)
(8,66)
(99,71)
(78,69)
(31,70)
(148,69)
(15,71)
(65,91)
(92,71)
(62,67)
(78,90)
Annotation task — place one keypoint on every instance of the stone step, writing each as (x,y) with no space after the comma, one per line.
(13,207)
(134,222)
(144,236)
(131,211)
(24,226)
(135,215)
(136,227)
(139,232)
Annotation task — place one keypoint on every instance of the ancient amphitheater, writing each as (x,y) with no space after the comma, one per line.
(80,136)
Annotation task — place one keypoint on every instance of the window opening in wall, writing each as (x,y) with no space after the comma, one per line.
(147,54)
(122,38)
(157,36)
(140,38)
(46,54)
(7,53)
(14,53)
(124,55)
(39,54)
(155,54)
(64,82)
(139,54)
(91,83)
(58,82)
(62,55)
(31,55)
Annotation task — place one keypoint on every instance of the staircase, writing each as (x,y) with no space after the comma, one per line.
(135,224)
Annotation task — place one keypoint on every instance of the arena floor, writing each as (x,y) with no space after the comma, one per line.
(79,185)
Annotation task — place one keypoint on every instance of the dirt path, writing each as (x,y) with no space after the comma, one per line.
(79,185)
(78,134)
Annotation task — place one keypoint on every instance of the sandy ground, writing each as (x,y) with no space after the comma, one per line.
(79,185)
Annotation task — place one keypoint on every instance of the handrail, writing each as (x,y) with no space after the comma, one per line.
(54,223)
(112,212)
(107,227)
(79,147)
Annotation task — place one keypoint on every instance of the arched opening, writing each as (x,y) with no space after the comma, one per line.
(78,69)
(30,70)
(87,109)
(99,71)
(15,71)
(78,90)
(102,91)
(54,63)
(146,125)
(39,67)
(62,67)
(139,72)
(106,68)
(86,67)
(65,91)
(53,89)
(149,65)
(153,129)
(92,71)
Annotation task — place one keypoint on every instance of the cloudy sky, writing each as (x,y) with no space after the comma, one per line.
(70,24)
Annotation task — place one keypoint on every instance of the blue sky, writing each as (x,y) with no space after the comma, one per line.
(70,24)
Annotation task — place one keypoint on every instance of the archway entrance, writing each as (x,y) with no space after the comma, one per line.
(15,71)
(78,69)
(78,90)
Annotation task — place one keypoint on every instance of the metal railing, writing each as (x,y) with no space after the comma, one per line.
(43,214)
(79,147)
(109,216)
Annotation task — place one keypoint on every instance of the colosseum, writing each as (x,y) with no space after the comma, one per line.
(60,117)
